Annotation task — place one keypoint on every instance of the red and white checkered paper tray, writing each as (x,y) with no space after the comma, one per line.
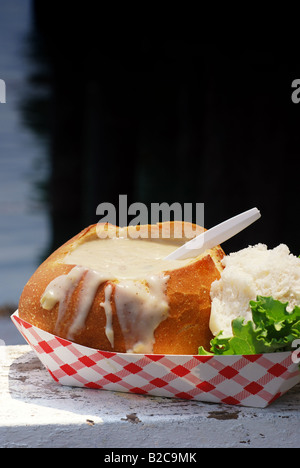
(253,380)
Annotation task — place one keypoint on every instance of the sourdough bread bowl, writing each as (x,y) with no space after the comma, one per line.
(110,288)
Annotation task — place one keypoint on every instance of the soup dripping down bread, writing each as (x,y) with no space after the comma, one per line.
(110,288)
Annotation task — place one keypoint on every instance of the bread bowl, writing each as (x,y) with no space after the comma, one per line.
(105,289)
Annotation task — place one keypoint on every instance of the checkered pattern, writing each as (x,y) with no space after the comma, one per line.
(254,380)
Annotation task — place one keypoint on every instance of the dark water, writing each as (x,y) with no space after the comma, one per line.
(23,222)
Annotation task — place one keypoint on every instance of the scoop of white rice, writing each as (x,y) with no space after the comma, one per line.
(250,272)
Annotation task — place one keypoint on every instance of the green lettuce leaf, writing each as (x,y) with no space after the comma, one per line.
(272,329)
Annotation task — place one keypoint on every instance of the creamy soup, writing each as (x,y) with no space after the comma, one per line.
(125,258)
(134,272)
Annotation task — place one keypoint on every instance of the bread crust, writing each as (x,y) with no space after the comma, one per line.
(188,293)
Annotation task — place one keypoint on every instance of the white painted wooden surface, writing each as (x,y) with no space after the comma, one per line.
(37,412)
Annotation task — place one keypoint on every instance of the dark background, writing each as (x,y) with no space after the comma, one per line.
(163,119)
